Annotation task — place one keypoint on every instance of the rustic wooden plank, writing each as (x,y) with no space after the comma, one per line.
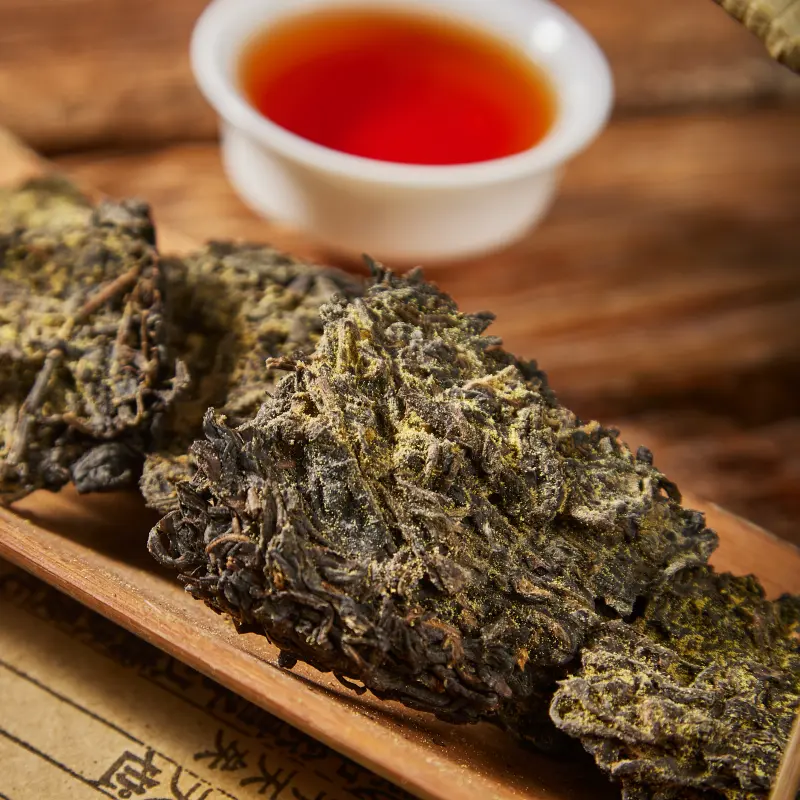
(25,163)
(78,73)
(787,781)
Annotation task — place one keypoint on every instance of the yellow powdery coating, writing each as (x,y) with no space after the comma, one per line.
(696,698)
(414,509)
(84,371)
(233,306)
(49,203)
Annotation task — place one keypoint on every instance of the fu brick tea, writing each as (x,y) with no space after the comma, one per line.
(233,306)
(85,374)
(413,509)
(695,699)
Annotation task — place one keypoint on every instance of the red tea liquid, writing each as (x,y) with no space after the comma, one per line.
(397,87)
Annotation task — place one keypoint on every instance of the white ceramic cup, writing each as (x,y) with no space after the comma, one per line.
(396,211)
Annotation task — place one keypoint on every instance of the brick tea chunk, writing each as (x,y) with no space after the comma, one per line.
(48,203)
(233,307)
(696,698)
(414,510)
(84,371)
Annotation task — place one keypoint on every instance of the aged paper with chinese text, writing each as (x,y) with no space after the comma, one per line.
(87,709)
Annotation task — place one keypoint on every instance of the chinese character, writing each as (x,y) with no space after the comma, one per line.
(178,794)
(131,774)
(298,744)
(269,780)
(222,700)
(296,793)
(227,757)
(365,793)
(349,770)
(161,667)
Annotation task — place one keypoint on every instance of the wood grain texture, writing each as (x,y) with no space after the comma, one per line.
(662,293)
(79,73)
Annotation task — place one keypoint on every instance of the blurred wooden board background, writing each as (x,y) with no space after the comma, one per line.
(662,293)
(76,74)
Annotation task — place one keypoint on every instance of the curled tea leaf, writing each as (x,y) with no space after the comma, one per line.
(413,509)
(696,698)
(84,371)
(233,307)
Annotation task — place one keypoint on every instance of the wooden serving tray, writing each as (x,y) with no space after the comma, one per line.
(93,548)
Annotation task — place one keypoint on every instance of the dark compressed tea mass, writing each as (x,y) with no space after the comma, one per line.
(696,698)
(232,308)
(387,494)
(412,509)
(85,375)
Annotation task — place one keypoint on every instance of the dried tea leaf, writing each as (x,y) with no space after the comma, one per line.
(233,307)
(414,510)
(695,699)
(84,372)
(48,203)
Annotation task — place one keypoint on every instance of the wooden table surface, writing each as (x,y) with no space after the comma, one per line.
(662,294)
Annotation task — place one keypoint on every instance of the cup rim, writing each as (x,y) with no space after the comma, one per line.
(221,91)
